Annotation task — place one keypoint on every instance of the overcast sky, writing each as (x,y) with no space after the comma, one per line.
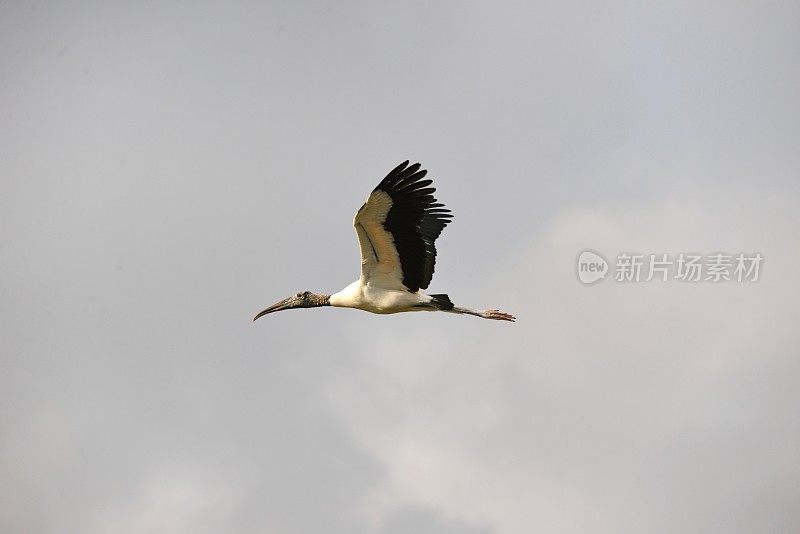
(168,169)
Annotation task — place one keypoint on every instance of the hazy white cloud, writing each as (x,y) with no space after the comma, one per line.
(605,408)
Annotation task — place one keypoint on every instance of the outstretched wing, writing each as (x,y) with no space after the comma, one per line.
(397,228)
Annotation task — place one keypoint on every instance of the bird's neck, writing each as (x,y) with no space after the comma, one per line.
(319,300)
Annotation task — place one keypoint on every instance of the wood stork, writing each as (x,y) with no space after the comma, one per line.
(396,229)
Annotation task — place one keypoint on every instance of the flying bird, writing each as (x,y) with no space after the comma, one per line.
(396,228)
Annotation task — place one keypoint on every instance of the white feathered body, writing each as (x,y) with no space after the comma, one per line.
(376,299)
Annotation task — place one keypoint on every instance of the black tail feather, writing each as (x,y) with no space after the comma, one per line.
(442,301)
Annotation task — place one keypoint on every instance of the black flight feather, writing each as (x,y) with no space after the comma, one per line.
(415,220)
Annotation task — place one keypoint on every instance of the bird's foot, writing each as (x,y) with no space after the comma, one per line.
(498,315)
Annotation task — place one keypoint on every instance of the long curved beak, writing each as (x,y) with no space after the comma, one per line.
(285,304)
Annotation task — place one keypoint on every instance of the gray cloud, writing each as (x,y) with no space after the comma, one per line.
(167,171)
